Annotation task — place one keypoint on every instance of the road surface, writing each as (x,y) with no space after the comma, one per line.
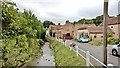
(97,52)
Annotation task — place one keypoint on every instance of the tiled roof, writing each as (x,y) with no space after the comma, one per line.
(96,29)
(78,26)
(114,20)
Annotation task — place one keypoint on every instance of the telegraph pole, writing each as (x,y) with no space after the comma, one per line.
(105,19)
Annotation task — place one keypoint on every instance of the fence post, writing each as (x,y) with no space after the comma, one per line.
(70,47)
(76,50)
(110,66)
(87,58)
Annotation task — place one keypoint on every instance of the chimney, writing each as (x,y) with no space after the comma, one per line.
(58,23)
(67,21)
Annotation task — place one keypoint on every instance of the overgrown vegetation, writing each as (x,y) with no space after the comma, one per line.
(22,35)
(64,56)
(96,42)
(112,40)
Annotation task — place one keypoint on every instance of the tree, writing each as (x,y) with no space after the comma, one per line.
(22,35)
(85,21)
(118,15)
(47,23)
(98,20)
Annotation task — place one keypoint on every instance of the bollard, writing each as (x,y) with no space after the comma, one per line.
(76,50)
(87,58)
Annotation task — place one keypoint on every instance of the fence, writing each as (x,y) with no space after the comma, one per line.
(88,55)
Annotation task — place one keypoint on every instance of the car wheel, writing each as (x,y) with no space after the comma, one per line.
(114,52)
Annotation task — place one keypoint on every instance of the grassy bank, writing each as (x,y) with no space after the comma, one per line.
(64,56)
(96,43)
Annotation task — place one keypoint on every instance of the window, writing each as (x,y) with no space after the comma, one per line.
(118,45)
(94,36)
(111,26)
(101,36)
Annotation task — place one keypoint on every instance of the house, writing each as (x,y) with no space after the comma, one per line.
(114,25)
(92,32)
(78,26)
(55,30)
(60,31)
(67,29)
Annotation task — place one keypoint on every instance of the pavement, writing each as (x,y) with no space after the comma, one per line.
(47,58)
(97,52)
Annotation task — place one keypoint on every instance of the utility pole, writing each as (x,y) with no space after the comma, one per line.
(105,19)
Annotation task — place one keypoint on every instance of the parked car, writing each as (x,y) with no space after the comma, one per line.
(116,50)
(83,40)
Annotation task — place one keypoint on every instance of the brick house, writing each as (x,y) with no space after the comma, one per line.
(55,30)
(78,26)
(60,31)
(93,32)
(114,25)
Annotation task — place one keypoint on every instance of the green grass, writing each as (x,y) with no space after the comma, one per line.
(64,56)
(96,43)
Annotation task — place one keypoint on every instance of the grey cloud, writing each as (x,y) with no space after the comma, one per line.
(57,18)
(119,7)
(90,12)
(85,11)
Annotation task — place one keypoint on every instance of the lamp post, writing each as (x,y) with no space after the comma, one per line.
(105,18)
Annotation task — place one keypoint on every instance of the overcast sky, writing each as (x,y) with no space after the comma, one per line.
(59,11)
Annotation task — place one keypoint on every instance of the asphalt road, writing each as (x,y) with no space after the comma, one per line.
(97,52)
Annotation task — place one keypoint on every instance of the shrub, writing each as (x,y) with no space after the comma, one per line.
(112,40)
(41,42)
(96,42)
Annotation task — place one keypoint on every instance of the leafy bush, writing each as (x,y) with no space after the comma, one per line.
(41,42)
(96,42)
(112,40)
(20,34)
(48,39)
(18,54)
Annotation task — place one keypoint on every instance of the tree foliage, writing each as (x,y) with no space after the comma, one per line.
(118,15)
(47,23)
(85,21)
(22,35)
(98,20)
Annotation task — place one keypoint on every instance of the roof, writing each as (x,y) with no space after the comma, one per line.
(113,21)
(78,26)
(96,29)
(58,27)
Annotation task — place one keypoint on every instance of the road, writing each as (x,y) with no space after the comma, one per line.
(97,52)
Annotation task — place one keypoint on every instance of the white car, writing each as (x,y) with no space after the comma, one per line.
(116,50)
